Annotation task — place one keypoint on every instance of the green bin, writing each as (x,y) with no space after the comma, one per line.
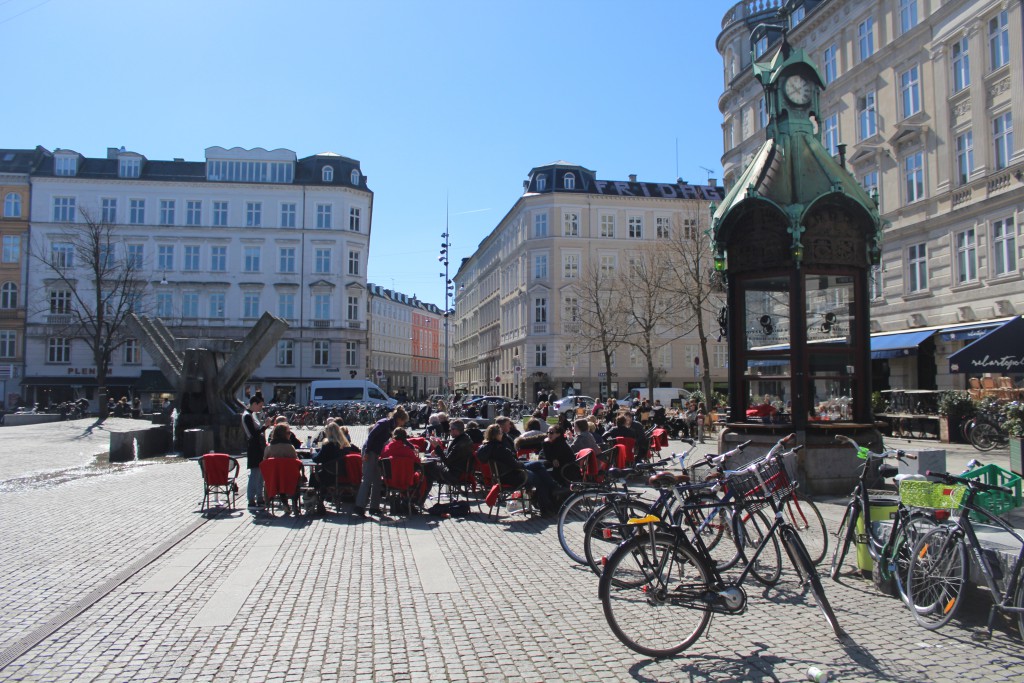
(882,510)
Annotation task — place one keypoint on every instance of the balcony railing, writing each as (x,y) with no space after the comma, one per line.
(355,324)
(540,328)
(59,319)
(321,324)
(571,327)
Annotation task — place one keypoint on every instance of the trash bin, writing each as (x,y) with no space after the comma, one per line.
(882,510)
(196,442)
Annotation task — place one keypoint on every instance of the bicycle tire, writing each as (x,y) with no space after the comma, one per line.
(635,585)
(572,517)
(805,517)
(801,560)
(1019,604)
(717,535)
(914,528)
(937,577)
(609,520)
(844,536)
(984,436)
(767,570)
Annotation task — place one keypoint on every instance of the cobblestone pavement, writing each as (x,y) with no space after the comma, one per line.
(333,599)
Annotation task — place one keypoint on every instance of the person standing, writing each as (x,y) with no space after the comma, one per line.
(380,434)
(256,444)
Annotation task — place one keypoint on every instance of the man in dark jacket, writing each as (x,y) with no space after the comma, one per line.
(455,461)
(256,443)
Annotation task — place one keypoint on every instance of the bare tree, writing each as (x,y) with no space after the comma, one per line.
(600,314)
(652,310)
(98,290)
(693,280)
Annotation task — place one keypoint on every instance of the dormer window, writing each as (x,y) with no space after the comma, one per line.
(65,165)
(569,182)
(355,176)
(327,174)
(129,167)
(542,183)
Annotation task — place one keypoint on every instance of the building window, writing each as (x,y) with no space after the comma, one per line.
(165,257)
(135,256)
(131,352)
(353,219)
(190,262)
(797,16)
(193,212)
(220,214)
(760,47)
(353,263)
(1004,246)
(129,167)
(190,305)
(286,306)
(166,212)
(917,267)
(251,259)
(164,305)
(910,92)
(690,228)
(65,165)
(63,209)
(866,38)
(636,227)
(607,225)
(831,134)
(540,266)
(1002,137)
(350,354)
(663,227)
(60,301)
(136,211)
(9,295)
(62,255)
(961,65)
(353,308)
(108,210)
(908,15)
(327,174)
(288,215)
(570,266)
(542,183)
(569,181)
(286,352)
(250,171)
(966,257)
(831,66)
(571,312)
(217,308)
(540,225)
(219,259)
(870,182)
(286,260)
(251,305)
(321,352)
(875,283)
(321,307)
(540,355)
(999,40)
(323,215)
(762,113)
(608,263)
(964,156)
(253,214)
(12,205)
(913,175)
(58,350)
(540,310)
(867,121)
(322,261)
(571,224)
(8,344)
(12,249)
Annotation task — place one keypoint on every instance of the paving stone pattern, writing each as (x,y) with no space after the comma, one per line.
(343,600)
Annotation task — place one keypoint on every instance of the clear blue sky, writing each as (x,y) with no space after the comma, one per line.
(449,98)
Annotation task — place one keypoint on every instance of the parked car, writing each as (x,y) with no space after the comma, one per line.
(568,403)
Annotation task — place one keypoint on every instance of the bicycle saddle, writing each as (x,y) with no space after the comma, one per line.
(668,479)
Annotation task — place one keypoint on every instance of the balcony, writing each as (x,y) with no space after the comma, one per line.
(571,327)
(323,324)
(58,319)
(354,324)
(540,328)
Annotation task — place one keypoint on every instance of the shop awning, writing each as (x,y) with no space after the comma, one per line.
(968,332)
(153,382)
(999,351)
(897,345)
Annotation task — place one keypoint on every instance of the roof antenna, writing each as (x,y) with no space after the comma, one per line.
(708,170)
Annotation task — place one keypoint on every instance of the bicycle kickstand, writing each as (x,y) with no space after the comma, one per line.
(987,633)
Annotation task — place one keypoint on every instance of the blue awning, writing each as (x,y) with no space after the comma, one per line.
(968,332)
(998,351)
(897,345)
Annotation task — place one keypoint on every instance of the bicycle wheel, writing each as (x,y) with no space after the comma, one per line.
(844,536)
(714,523)
(654,593)
(936,577)
(572,517)
(606,529)
(1019,604)
(914,528)
(750,532)
(808,574)
(984,436)
(805,517)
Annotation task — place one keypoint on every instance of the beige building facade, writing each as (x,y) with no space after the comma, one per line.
(921,99)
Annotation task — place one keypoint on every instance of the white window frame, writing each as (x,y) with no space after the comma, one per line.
(220,213)
(830,63)
(8,344)
(136,211)
(321,307)
(286,305)
(964,149)
(58,351)
(192,256)
(913,177)
(327,174)
(663,227)
(354,219)
(866,38)
(321,353)
(286,353)
(135,256)
(351,354)
(164,305)
(570,224)
(218,305)
(965,244)
(129,167)
(635,229)
(322,260)
(917,268)
(1002,140)
(569,181)
(193,212)
(9,296)
(998,41)
(65,165)
(250,305)
(165,257)
(540,225)
(324,216)
(286,261)
(1004,247)
(908,15)
(190,305)
(219,259)
(132,352)
(570,265)
(108,210)
(960,56)
(354,260)
(540,355)
(876,284)
(540,266)
(64,209)
(167,211)
(608,225)
(11,249)
(251,259)
(867,115)
(910,91)
(253,214)
(830,134)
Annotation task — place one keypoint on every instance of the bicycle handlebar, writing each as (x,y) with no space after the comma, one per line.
(972,483)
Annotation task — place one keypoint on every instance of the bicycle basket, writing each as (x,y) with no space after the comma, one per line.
(933,495)
(760,481)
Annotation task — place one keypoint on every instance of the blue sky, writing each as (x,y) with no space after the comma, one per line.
(448,99)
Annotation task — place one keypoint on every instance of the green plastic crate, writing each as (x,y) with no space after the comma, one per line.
(996,502)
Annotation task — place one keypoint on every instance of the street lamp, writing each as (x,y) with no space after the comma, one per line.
(449,294)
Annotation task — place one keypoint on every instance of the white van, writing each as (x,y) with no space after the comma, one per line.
(332,392)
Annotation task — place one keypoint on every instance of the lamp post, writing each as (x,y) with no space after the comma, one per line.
(449,292)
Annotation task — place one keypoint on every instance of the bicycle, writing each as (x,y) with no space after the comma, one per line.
(891,554)
(664,567)
(939,566)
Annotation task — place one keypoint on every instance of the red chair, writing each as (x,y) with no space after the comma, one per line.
(281,480)
(420,443)
(659,440)
(627,451)
(525,453)
(507,486)
(403,485)
(592,467)
(220,471)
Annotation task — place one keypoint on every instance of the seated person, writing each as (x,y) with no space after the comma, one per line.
(533,438)
(584,437)
(292,439)
(621,428)
(474,433)
(658,413)
(399,449)
(280,446)
(455,461)
(513,472)
(558,457)
(331,455)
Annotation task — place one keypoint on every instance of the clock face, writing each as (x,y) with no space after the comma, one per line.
(798,90)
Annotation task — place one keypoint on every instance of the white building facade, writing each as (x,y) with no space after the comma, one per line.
(220,242)
(921,99)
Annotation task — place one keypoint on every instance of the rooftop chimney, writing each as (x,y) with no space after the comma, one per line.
(713,182)
(112,152)
(632,177)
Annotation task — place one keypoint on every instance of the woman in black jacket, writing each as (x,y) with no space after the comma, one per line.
(558,455)
(513,471)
